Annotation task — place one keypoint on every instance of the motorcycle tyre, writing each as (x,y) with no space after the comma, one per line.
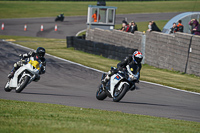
(23,85)
(102,95)
(7,89)
(125,88)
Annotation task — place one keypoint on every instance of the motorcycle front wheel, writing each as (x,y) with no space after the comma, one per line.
(7,88)
(22,84)
(119,94)
(100,94)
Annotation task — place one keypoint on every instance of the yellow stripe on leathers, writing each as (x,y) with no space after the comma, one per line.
(36,64)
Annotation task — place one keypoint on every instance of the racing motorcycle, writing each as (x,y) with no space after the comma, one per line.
(60,18)
(117,86)
(28,72)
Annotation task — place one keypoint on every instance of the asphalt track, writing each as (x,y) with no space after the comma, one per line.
(70,27)
(70,84)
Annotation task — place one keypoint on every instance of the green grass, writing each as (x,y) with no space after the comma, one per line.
(29,9)
(29,117)
(58,48)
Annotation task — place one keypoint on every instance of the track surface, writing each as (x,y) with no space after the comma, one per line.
(72,85)
(70,27)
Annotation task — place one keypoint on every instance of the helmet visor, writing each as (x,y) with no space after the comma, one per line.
(138,60)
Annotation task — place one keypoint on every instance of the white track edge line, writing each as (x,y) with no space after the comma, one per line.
(104,72)
(80,32)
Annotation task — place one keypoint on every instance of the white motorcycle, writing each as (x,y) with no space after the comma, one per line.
(27,73)
(117,86)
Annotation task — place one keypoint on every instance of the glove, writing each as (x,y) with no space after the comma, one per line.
(20,55)
(31,53)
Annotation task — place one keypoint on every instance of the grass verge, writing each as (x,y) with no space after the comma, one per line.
(29,9)
(58,48)
(16,116)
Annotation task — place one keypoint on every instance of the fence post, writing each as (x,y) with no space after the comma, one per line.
(143,44)
(188,55)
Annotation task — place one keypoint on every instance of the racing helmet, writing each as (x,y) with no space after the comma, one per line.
(40,52)
(137,57)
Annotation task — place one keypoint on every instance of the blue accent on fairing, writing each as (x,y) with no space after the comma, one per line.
(117,77)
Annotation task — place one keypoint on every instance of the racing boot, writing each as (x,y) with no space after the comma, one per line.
(11,74)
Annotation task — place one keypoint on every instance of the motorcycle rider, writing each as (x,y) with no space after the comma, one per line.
(38,55)
(134,67)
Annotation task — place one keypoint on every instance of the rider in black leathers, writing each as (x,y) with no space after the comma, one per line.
(38,55)
(134,63)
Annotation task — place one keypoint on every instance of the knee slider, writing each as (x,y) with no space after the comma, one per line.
(15,65)
(19,63)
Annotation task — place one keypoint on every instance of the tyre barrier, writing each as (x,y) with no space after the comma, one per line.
(98,48)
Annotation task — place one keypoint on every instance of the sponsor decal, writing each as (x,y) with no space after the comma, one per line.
(117,77)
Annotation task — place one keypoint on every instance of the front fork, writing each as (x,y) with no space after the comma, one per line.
(103,76)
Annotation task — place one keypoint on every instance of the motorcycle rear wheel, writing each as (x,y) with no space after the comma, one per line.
(119,94)
(22,84)
(7,88)
(100,94)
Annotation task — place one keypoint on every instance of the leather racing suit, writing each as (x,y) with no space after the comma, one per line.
(128,64)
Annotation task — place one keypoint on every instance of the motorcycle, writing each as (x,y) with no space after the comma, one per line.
(118,85)
(60,18)
(27,73)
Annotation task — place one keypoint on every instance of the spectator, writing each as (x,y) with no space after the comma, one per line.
(173,29)
(153,27)
(180,27)
(195,27)
(132,27)
(125,26)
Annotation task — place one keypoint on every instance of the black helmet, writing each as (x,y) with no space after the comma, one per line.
(137,57)
(40,52)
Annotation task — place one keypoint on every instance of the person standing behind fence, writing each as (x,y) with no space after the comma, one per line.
(125,26)
(132,27)
(180,27)
(173,29)
(195,27)
(153,27)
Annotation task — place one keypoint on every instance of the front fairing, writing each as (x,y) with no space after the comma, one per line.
(30,69)
(116,81)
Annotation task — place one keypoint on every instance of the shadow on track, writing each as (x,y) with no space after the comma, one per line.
(45,94)
(149,104)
